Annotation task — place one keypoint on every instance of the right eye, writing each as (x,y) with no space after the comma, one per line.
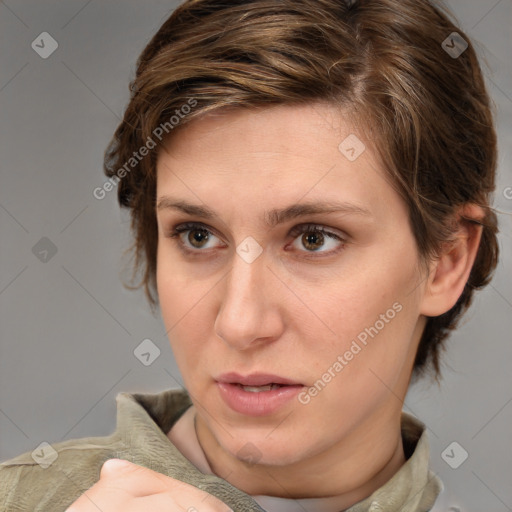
(193,237)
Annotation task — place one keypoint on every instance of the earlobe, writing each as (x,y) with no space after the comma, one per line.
(450,271)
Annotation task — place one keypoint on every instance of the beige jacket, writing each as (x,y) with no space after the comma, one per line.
(55,476)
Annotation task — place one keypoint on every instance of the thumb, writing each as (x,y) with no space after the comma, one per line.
(112,467)
(136,480)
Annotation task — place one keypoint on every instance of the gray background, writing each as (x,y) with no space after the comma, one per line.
(68,328)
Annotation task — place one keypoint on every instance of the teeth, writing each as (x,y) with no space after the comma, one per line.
(259,389)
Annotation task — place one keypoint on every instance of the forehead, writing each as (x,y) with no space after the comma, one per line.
(271,157)
(294,129)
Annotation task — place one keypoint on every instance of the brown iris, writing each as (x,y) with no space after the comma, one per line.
(312,240)
(197,236)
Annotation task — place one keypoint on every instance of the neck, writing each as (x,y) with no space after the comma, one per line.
(351,470)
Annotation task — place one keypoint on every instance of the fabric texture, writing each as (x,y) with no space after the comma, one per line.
(143,420)
(183,436)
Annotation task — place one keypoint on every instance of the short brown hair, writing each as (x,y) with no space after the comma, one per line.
(385,60)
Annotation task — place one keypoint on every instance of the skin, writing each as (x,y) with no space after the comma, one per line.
(293,310)
(289,312)
(132,488)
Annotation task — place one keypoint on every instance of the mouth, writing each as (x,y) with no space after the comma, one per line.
(256,380)
(259,389)
(257,394)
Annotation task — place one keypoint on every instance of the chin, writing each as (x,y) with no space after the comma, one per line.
(261,451)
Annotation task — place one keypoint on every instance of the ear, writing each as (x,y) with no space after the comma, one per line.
(450,271)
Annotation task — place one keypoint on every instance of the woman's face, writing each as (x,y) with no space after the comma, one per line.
(295,265)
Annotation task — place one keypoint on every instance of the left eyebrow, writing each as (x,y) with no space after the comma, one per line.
(272,217)
(275,216)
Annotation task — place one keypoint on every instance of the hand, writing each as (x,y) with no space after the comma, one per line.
(131,488)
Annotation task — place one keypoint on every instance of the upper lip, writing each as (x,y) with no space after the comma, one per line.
(255,379)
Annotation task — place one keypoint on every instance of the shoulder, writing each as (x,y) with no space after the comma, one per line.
(53,477)
(54,474)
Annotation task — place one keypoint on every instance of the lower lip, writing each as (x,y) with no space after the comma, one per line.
(262,403)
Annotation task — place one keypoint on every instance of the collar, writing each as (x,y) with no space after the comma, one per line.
(414,488)
(142,423)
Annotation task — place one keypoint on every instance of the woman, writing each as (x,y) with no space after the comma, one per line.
(309,186)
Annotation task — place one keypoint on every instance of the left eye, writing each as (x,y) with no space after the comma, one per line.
(314,238)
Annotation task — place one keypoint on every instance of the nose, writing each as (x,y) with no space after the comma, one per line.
(249,314)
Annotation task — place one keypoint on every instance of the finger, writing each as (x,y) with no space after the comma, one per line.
(137,481)
(120,481)
(180,503)
(141,482)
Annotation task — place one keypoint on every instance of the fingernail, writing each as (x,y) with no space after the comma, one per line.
(113,464)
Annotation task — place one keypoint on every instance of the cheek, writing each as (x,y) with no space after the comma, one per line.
(178,288)
(352,379)
(367,303)
(371,321)
(174,295)
(183,303)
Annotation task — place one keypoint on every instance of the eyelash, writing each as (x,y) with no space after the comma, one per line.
(296,231)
